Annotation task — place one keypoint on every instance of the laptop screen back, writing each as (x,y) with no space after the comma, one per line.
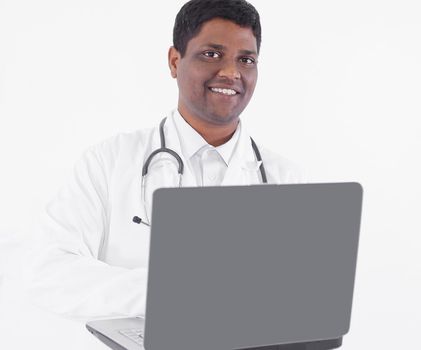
(248,266)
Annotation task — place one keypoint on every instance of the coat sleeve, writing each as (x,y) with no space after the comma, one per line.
(63,272)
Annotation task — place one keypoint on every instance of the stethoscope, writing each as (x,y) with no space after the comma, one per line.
(180,171)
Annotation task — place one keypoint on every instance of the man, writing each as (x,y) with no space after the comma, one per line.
(92,261)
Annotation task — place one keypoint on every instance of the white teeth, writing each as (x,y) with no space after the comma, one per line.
(224,91)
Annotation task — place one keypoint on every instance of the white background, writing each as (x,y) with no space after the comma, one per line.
(338,93)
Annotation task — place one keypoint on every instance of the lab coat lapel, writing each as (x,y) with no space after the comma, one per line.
(243,168)
(173,142)
(163,168)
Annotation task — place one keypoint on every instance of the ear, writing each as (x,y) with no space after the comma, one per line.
(173,60)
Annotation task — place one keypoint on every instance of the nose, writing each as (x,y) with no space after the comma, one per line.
(229,70)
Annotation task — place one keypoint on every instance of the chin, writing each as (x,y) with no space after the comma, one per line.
(222,117)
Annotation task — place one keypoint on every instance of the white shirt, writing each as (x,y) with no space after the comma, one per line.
(208,163)
(89,259)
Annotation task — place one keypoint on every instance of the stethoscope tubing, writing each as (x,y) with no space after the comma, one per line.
(180,162)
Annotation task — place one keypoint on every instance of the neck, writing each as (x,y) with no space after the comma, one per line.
(214,135)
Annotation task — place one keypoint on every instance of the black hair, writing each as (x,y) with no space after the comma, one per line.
(194,13)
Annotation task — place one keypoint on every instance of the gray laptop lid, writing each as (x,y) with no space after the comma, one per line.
(245,266)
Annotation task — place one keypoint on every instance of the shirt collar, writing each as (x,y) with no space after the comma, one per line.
(192,142)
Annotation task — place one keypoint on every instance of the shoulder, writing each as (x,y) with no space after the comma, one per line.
(118,151)
(280,169)
(124,141)
(127,144)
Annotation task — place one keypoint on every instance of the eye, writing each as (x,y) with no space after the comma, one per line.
(248,60)
(212,54)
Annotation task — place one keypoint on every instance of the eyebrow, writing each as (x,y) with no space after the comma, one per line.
(222,47)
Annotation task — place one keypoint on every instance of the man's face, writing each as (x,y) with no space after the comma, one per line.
(218,73)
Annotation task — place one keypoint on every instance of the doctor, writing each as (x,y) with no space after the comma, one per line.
(91,260)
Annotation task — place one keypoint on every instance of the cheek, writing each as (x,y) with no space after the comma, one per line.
(251,78)
(191,83)
(250,83)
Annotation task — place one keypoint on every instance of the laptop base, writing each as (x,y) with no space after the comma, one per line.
(107,341)
(105,331)
(313,345)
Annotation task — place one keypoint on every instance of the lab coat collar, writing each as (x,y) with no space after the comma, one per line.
(173,142)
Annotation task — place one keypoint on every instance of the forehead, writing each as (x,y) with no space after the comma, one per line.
(226,33)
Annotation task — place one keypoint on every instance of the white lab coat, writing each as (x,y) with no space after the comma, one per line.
(90,259)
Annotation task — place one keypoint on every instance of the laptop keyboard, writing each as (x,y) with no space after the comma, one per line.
(134,334)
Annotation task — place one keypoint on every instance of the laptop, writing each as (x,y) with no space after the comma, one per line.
(262,266)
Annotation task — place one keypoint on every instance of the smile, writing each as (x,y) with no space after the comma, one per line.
(228,92)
